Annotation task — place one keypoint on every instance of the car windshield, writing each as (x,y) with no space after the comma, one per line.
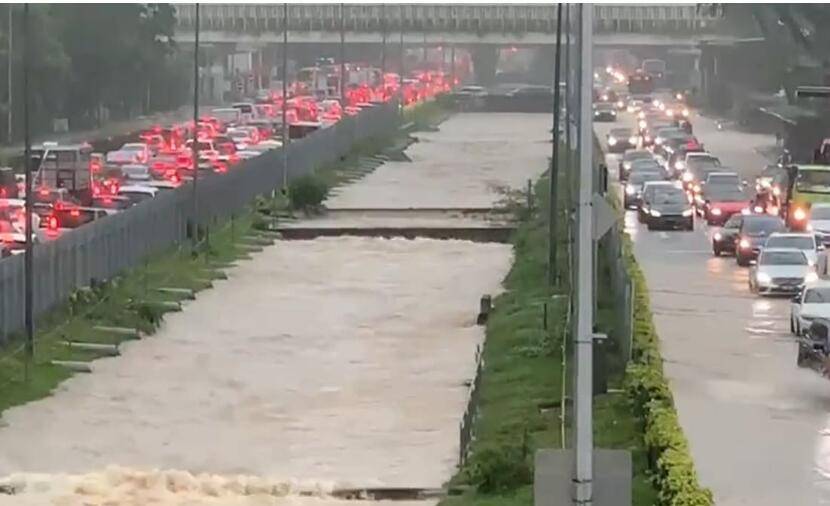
(726,194)
(763,225)
(636,155)
(782,258)
(703,163)
(820,213)
(136,197)
(813,181)
(674,196)
(642,177)
(817,296)
(797,242)
(644,164)
(723,179)
(620,132)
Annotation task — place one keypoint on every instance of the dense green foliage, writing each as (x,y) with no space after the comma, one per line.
(668,450)
(87,58)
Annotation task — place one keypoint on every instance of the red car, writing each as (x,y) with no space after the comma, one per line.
(720,202)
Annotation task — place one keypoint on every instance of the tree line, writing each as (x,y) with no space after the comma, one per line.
(92,62)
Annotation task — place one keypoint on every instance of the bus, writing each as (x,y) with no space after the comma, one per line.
(654,68)
(68,167)
(640,84)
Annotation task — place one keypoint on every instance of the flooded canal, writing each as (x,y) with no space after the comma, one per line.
(319,364)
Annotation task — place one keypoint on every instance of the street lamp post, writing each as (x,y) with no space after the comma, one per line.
(342,60)
(195,150)
(27,163)
(553,274)
(9,113)
(285,139)
(383,41)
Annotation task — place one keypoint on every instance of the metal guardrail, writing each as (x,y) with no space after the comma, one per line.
(466,428)
(106,247)
(252,18)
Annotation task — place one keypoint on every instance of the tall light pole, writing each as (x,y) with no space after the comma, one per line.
(342,60)
(383,41)
(27,164)
(9,114)
(402,71)
(195,225)
(583,478)
(553,273)
(285,139)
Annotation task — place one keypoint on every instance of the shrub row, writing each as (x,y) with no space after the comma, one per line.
(668,450)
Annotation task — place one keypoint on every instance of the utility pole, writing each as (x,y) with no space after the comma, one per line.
(553,273)
(383,41)
(27,164)
(452,66)
(285,139)
(342,60)
(10,54)
(583,404)
(400,77)
(195,223)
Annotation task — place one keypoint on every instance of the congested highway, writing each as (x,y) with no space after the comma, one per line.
(757,423)
(75,184)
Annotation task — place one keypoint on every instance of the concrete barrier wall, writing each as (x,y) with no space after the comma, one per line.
(105,248)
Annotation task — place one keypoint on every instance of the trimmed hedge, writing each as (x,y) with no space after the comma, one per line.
(668,450)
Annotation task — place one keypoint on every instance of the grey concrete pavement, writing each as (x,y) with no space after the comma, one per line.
(757,425)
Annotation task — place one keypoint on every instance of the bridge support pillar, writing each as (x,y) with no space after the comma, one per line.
(485,61)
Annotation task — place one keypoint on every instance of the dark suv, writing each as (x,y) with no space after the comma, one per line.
(752,234)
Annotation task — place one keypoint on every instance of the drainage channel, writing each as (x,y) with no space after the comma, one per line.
(474,234)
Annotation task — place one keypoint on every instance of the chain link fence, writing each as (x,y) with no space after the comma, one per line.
(102,249)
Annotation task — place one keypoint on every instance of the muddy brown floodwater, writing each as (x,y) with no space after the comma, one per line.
(317,365)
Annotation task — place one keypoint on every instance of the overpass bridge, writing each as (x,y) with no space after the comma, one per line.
(256,32)
(493,24)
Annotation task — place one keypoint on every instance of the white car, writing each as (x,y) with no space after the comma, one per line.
(138,193)
(801,241)
(780,270)
(694,159)
(140,150)
(15,209)
(240,138)
(813,302)
(819,222)
(136,172)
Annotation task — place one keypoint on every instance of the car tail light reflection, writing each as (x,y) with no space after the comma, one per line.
(52,223)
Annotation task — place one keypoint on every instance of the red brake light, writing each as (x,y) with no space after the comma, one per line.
(52,222)
(75,212)
(44,192)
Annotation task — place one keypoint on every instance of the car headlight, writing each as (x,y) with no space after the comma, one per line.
(799,214)
(809,227)
(763,278)
(612,141)
(630,190)
(745,211)
(604,98)
(680,165)
(632,140)
(744,244)
(696,188)
(620,104)
(687,212)
(718,236)
(642,124)
(810,277)
(656,213)
(685,113)
(716,211)
(776,191)
(669,113)
(679,96)
(641,114)
(630,108)
(658,140)
(647,138)
(627,165)
(687,177)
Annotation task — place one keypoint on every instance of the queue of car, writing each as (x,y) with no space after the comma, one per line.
(73,185)
(669,179)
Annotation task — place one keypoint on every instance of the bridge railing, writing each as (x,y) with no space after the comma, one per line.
(253,18)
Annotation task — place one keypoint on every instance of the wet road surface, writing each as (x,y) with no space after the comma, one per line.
(758,426)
